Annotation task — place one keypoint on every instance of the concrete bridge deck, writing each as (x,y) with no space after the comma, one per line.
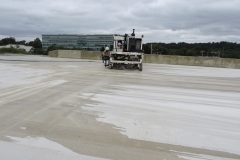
(58,108)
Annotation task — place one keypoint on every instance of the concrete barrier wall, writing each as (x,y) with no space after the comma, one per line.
(159,59)
(72,54)
(91,55)
(76,54)
(53,53)
(193,61)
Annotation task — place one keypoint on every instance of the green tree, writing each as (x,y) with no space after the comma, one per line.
(29,43)
(147,48)
(102,49)
(23,42)
(54,47)
(38,51)
(6,41)
(37,43)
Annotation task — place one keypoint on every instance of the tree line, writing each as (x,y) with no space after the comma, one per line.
(36,44)
(214,49)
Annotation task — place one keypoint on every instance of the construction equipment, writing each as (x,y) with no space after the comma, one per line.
(126,52)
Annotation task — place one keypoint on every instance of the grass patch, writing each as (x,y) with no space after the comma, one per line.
(13,50)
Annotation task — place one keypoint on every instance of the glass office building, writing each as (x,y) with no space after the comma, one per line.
(92,42)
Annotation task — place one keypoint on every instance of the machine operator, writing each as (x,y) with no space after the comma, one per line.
(106,54)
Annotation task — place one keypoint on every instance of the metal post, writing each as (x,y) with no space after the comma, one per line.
(151,48)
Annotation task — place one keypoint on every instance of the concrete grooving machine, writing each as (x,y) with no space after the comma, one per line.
(127,52)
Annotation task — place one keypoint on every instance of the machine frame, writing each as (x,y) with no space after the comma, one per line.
(126,52)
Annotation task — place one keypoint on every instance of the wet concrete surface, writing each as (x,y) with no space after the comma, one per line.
(99,112)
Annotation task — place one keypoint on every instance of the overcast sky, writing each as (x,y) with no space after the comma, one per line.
(158,20)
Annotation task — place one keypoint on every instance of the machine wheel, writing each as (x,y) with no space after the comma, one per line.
(140,67)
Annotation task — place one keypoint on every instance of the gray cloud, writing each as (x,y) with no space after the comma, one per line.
(158,20)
